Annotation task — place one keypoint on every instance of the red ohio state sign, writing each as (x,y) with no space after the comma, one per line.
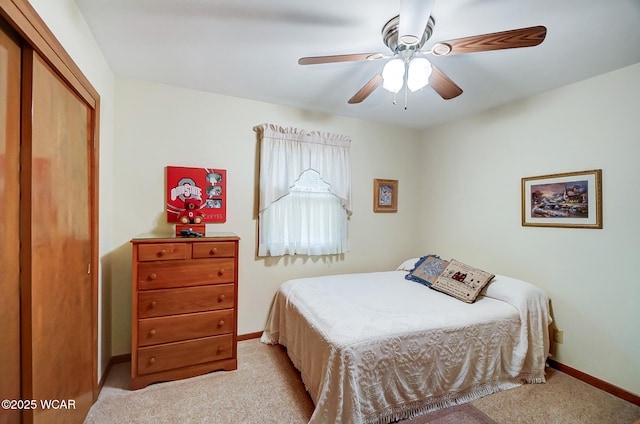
(196,195)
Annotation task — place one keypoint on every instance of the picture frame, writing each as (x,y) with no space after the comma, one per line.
(385,195)
(568,200)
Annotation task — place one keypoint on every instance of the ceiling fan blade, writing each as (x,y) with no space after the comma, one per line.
(515,38)
(414,15)
(367,89)
(315,60)
(443,85)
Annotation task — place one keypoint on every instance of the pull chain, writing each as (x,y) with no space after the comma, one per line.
(406,96)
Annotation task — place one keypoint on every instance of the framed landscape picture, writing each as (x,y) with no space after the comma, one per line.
(570,200)
(385,195)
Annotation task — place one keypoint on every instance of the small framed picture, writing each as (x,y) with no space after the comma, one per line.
(570,200)
(385,195)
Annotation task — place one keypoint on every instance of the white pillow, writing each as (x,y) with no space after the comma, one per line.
(408,265)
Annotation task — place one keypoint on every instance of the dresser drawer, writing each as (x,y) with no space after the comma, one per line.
(155,303)
(153,331)
(181,354)
(162,252)
(160,275)
(213,250)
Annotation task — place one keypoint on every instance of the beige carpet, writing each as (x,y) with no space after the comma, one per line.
(267,389)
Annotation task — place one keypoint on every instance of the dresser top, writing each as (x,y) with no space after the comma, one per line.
(165,237)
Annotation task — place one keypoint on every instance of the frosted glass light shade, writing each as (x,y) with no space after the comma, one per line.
(393,75)
(418,73)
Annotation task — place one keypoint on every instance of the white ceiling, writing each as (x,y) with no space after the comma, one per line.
(249,49)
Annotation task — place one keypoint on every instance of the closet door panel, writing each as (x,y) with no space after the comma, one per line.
(9,224)
(61,290)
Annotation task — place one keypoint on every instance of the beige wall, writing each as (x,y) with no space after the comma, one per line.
(159,125)
(471,211)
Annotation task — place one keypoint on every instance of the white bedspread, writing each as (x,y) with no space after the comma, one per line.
(375,348)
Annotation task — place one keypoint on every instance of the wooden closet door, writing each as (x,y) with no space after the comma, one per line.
(57,305)
(9,222)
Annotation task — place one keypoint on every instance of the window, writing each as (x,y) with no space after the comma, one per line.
(305,192)
(310,220)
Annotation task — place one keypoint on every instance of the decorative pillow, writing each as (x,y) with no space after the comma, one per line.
(408,265)
(427,270)
(462,281)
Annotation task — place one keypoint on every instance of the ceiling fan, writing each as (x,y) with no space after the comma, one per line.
(406,34)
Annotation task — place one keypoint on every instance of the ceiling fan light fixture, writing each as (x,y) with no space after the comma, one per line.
(418,73)
(393,75)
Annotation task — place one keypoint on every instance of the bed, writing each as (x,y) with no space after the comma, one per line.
(375,347)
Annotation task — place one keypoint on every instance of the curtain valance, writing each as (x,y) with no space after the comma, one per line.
(286,152)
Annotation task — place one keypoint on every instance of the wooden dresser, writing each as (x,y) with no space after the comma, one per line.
(184,307)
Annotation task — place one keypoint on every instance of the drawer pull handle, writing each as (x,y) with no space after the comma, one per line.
(220,298)
(152,360)
(153,276)
(221,271)
(213,251)
(152,332)
(219,350)
(153,303)
(221,323)
(162,252)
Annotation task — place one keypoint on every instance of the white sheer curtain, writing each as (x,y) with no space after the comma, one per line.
(305,216)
